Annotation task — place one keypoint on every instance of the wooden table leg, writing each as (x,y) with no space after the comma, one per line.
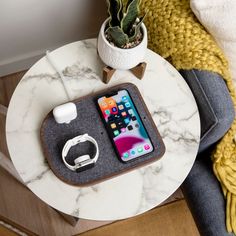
(3,110)
(70,219)
(7,165)
(139,70)
(107,74)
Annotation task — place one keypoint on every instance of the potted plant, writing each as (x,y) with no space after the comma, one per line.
(122,40)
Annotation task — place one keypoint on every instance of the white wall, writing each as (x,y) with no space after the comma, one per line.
(29,27)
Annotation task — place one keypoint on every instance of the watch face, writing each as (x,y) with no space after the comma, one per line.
(84,161)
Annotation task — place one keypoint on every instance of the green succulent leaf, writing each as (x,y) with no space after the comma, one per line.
(115,12)
(136,30)
(119,38)
(132,11)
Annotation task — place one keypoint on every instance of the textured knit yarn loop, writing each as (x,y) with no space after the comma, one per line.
(175,33)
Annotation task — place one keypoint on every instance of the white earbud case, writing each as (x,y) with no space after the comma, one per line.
(65,113)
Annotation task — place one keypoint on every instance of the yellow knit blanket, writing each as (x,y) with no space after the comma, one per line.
(175,34)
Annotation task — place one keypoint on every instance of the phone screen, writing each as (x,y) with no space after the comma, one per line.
(124,125)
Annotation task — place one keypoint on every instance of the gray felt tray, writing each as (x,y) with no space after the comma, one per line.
(54,136)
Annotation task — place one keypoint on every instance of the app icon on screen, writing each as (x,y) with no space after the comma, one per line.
(127,104)
(121,107)
(130,127)
(140,149)
(103,104)
(126,120)
(113,125)
(114,109)
(123,113)
(124,98)
(132,152)
(146,146)
(122,130)
(116,132)
(107,112)
(130,111)
(111,102)
(126,154)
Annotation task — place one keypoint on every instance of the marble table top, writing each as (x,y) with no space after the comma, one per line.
(169,101)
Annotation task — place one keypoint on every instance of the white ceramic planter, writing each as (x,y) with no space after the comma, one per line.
(119,58)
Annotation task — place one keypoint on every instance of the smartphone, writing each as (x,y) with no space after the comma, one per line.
(124,125)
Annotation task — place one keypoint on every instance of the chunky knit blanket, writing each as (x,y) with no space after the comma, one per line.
(175,34)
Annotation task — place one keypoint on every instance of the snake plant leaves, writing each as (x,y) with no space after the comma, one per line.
(119,38)
(130,15)
(115,12)
(136,30)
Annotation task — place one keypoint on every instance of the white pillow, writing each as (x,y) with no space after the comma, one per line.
(219,18)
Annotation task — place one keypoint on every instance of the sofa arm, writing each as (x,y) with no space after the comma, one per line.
(201,188)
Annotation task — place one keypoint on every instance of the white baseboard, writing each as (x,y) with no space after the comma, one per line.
(20,63)
(23,62)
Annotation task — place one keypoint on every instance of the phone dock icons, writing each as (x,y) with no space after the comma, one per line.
(140,149)
(146,146)
(132,152)
(126,155)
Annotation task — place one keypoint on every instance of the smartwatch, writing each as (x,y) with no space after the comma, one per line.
(83,162)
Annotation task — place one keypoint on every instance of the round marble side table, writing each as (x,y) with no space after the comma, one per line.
(169,101)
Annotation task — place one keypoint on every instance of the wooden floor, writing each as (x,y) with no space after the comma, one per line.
(21,207)
(173,219)
(6,232)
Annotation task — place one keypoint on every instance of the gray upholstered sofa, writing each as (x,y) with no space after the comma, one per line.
(201,188)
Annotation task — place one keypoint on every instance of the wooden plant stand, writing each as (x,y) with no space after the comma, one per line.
(138,71)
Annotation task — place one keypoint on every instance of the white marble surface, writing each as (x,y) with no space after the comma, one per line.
(169,101)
